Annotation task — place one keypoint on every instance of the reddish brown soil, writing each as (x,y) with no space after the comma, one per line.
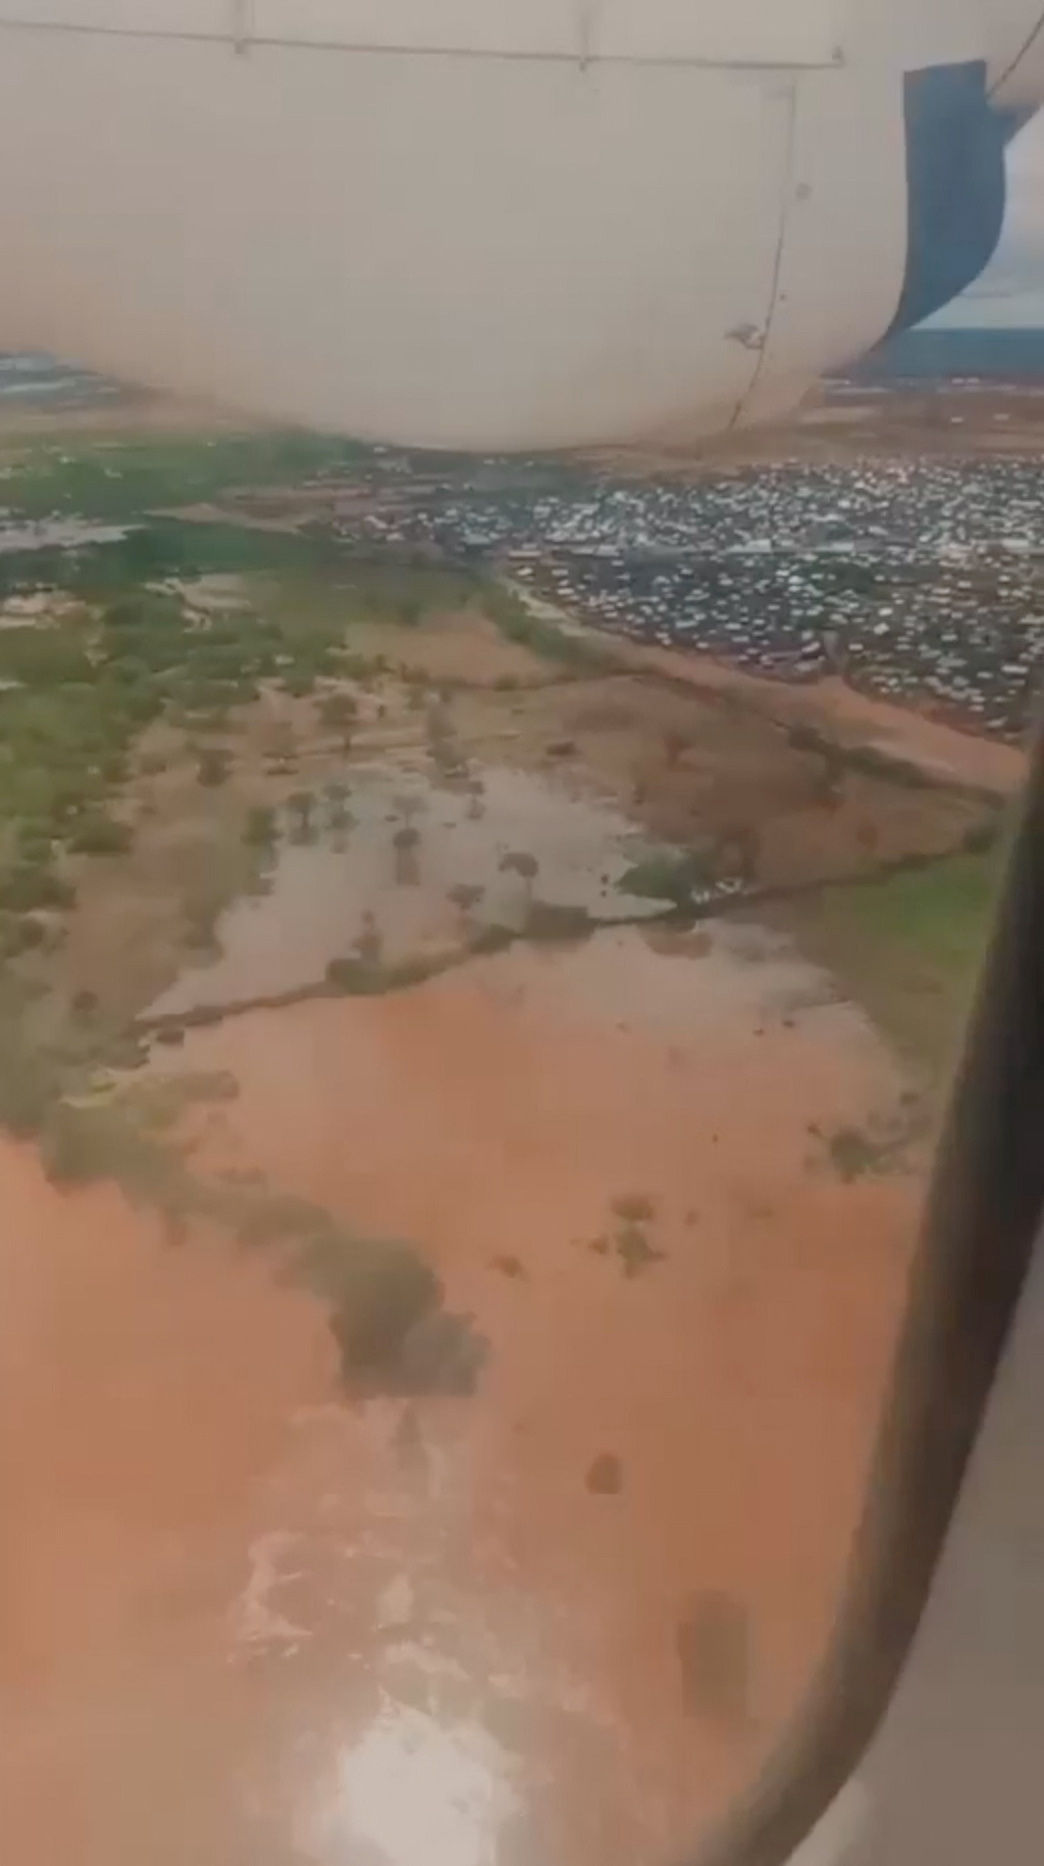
(246,1622)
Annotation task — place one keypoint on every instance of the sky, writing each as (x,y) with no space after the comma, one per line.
(1011,292)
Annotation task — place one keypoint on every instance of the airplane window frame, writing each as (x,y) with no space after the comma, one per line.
(981,1222)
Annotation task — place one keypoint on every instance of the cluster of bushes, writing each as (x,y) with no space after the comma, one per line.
(123,479)
(515,621)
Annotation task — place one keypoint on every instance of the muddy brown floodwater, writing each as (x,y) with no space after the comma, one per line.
(247,1620)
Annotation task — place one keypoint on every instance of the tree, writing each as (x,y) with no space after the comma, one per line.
(300,805)
(439,720)
(214,766)
(279,740)
(475,791)
(338,815)
(737,854)
(100,835)
(523,864)
(406,842)
(338,711)
(370,944)
(466,896)
(409,806)
(260,831)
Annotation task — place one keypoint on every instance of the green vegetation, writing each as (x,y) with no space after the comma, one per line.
(855,1154)
(123,648)
(908,948)
(119,480)
(522,863)
(634,1208)
(385,1300)
(26,887)
(215,766)
(136,669)
(30,1079)
(573,653)
(126,637)
(406,844)
(261,829)
(668,875)
(557,923)
(379,1291)
(466,896)
(129,638)
(634,1249)
(490,940)
(280,1218)
(99,835)
(338,711)
(370,978)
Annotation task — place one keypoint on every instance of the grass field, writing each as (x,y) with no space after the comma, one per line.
(908,948)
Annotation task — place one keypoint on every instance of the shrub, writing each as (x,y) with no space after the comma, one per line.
(299,683)
(28,1087)
(100,835)
(278,1218)
(466,897)
(668,875)
(379,1291)
(855,1155)
(26,888)
(260,830)
(981,838)
(634,1249)
(520,862)
(215,767)
(337,710)
(635,1208)
(488,941)
(85,1144)
(556,920)
(20,935)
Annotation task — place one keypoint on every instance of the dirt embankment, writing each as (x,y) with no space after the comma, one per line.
(854,721)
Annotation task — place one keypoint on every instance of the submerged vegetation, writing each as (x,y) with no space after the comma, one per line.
(184,693)
(131,650)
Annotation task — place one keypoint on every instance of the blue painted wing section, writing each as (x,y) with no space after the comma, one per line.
(955,144)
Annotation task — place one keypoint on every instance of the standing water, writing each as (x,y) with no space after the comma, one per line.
(252,1614)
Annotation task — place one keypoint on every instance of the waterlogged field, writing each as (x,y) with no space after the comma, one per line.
(466,1097)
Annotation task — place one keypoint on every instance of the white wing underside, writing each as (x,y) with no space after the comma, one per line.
(464,223)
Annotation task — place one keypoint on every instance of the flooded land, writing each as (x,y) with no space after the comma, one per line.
(466,1083)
